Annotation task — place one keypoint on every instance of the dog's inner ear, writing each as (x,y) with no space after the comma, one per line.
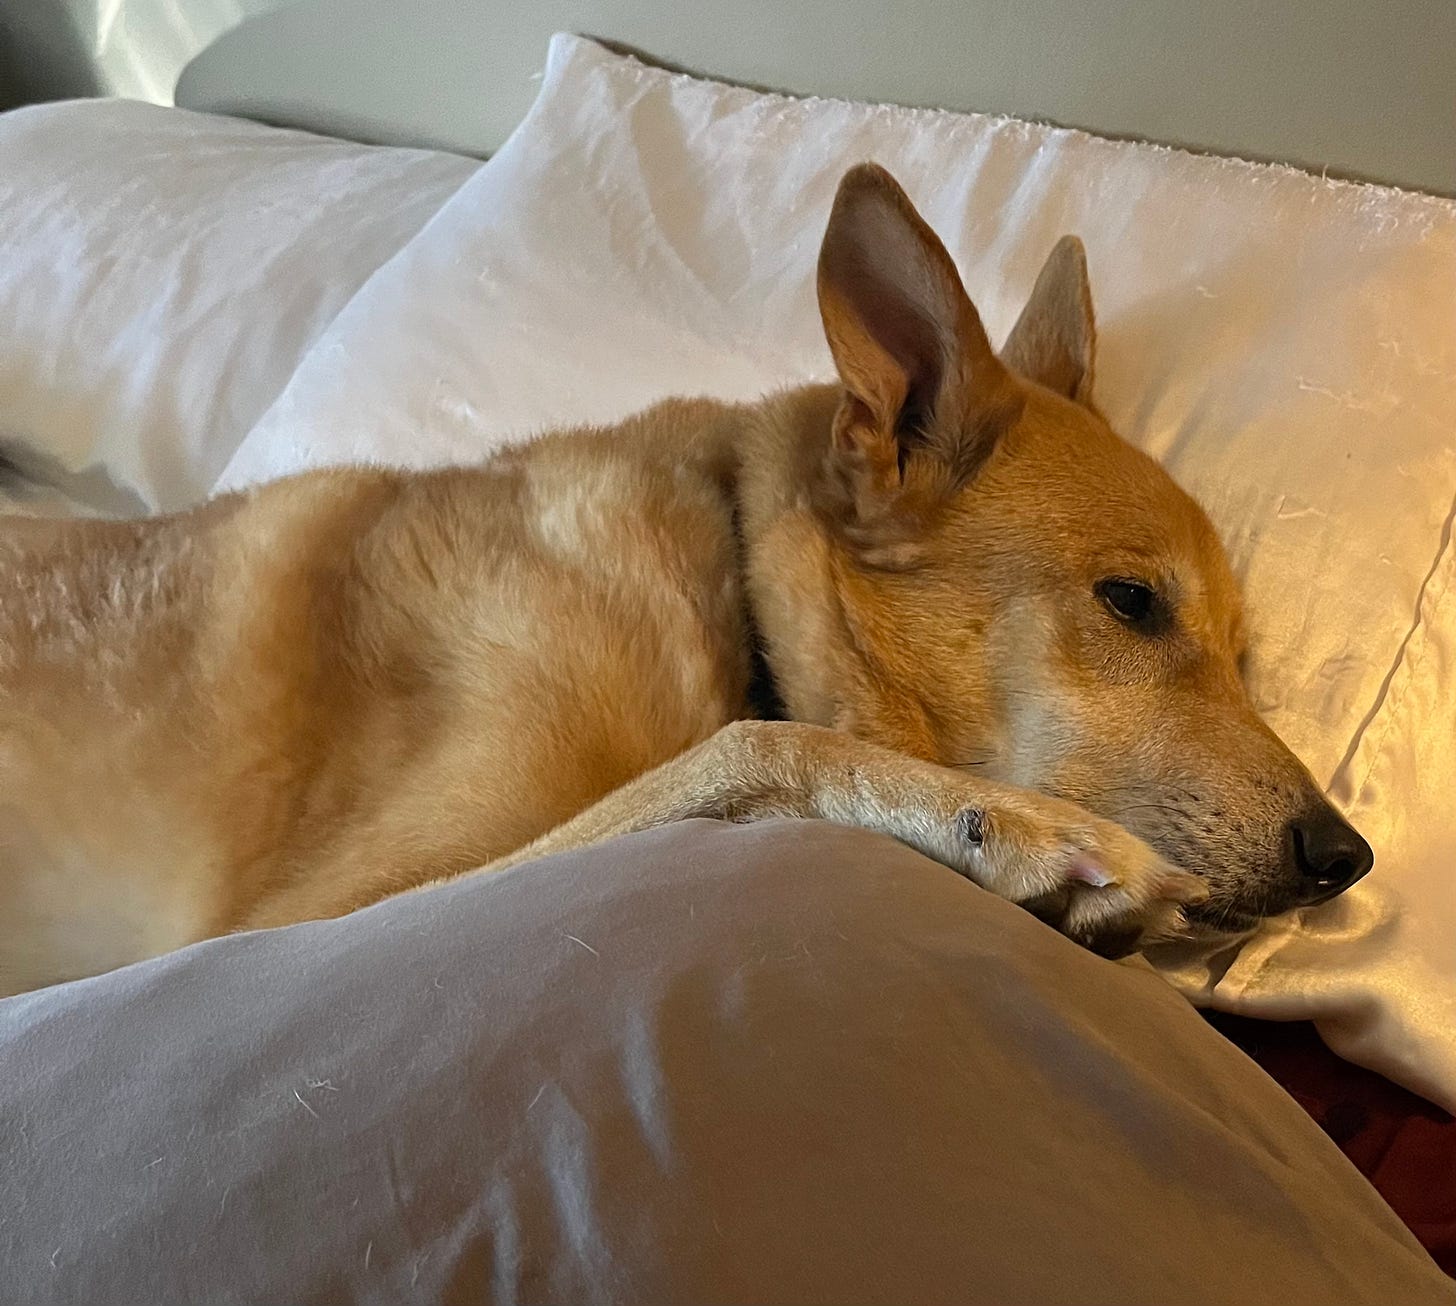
(922,384)
(1053,340)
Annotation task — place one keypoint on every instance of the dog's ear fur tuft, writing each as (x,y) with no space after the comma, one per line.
(1054,339)
(925,395)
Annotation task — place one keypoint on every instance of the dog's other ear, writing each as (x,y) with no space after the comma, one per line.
(1053,340)
(925,394)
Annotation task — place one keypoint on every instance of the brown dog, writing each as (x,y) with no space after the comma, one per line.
(995,630)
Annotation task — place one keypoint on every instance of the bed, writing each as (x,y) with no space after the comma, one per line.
(505,1091)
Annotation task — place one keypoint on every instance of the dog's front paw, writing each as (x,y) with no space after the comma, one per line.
(1089,878)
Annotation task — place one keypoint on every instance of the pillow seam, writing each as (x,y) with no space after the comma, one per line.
(1413,654)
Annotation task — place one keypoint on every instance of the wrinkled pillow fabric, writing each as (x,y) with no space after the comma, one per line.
(161,274)
(1286,345)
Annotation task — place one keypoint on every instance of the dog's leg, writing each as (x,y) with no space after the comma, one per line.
(1089,877)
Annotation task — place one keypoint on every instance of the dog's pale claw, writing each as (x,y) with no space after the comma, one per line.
(1088,870)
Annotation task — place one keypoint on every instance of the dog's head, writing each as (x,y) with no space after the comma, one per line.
(1039,598)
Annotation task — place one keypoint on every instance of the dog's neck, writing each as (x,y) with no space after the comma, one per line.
(821,654)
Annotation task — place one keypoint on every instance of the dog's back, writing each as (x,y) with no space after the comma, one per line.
(292,702)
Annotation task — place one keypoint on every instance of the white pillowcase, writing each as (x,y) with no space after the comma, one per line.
(161,274)
(1286,345)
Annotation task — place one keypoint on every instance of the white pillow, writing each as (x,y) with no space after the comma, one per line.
(161,274)
(1286,345)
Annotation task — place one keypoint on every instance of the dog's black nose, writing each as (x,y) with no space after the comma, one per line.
(1329,854)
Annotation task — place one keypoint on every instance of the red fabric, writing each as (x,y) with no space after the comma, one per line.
(1405,1146)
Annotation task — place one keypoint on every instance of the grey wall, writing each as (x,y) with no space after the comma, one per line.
(1358,87)
(60,49)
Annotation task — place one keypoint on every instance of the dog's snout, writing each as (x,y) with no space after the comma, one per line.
(1329,854)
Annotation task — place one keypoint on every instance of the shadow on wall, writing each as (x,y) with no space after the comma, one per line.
(42,54)
(65,49)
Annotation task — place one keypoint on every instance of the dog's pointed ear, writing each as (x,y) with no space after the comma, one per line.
(1054,339)
(925,394)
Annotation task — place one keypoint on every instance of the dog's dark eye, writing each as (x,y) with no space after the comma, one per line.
(1129,600)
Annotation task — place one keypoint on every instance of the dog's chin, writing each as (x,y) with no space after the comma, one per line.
(1212,920)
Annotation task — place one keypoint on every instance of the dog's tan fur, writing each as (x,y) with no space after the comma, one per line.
(293,702)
